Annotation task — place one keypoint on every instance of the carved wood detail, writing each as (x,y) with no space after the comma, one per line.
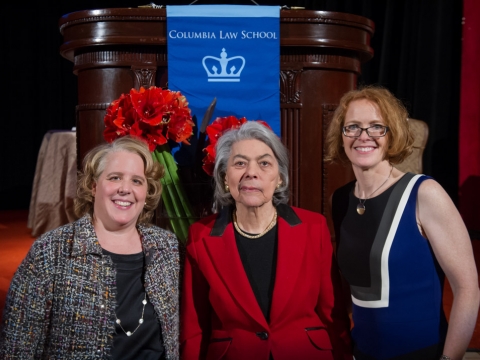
(116,17)
(327,116)
(313,56)
(144,77)
(98,106)
(334,175)
(290,123)
(290,81)
(145,55)
(327,19)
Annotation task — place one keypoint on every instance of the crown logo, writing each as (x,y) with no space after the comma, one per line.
(228,67)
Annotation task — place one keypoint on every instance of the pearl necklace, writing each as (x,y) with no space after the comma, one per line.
(268,228)
(361,206)
(140,321)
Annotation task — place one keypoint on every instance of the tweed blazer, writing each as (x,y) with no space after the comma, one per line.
(61,301)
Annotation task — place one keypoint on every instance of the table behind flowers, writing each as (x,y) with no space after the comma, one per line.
(54,184)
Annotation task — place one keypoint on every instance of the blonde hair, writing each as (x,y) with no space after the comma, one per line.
(394,114)
(94,163)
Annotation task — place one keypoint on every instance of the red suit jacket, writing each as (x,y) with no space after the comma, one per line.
(220,316)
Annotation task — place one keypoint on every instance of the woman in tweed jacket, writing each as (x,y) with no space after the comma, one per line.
(106,285)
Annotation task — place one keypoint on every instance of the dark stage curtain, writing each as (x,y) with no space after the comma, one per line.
(417,48)
(469,157)
(417,56)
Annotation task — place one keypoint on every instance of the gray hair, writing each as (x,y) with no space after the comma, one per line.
(251,130)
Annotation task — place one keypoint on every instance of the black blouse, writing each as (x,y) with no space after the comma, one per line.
(259,258)
(146,342)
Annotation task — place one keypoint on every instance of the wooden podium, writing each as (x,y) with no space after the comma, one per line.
(114,50)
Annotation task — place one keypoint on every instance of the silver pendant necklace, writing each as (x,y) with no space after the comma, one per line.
(140,321)
(361,202)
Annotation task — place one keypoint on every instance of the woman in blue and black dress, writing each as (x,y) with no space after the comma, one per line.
(398,234)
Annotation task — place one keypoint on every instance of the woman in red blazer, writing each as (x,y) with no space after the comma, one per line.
(260,281)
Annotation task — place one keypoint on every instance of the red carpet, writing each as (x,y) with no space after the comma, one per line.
(15,240)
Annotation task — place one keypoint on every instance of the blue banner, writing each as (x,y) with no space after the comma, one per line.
(228,52)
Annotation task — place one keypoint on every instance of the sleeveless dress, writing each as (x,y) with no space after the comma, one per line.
(395,281)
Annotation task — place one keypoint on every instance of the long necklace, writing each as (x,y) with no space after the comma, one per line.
(267,229)
(361,202)
(140,321)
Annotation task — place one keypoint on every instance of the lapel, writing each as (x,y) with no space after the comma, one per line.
(292,239)
(158,276)
(222,249)
(221,246)
(85,240)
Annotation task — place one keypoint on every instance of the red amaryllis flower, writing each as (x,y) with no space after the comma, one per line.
(214,131)
(180,128)
(119,118)
(154,114)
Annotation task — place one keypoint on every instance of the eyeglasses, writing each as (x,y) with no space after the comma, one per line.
(374,131)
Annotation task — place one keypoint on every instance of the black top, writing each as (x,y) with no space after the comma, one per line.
(146,343)
(259,258)
(359,229)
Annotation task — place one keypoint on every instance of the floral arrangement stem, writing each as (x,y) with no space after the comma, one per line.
(173,171)
(168,202)
(174,196)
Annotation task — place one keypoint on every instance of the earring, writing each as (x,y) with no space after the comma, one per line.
(278,185)
(227,189)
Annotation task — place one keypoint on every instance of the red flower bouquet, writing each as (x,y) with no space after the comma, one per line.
(157,115)
(214,131)
(154,114)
